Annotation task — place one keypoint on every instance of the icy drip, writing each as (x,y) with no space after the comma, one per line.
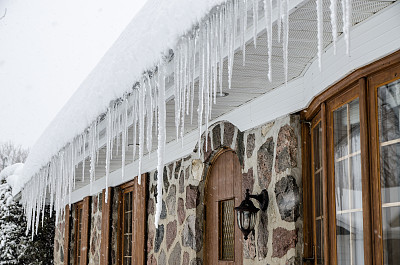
(285,37)
(268,21)
(347,11)
(333,8)
(161,142)
(255,21)
(320,32)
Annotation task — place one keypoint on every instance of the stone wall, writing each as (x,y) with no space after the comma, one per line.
(270,159)
(59,242)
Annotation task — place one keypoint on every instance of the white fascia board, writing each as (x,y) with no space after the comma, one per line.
(371,40)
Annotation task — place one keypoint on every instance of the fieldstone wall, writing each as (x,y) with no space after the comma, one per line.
(270,159)
(95,230)
(59,242)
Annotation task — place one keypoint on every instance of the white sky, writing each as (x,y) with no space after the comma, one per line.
(47,48)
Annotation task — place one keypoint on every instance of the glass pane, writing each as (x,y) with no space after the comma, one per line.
(227,233)
(320,241)
(348,184)
(389,138)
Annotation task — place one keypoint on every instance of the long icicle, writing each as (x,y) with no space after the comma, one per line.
(161,141)
(320,23)
(268,20)
(333,8)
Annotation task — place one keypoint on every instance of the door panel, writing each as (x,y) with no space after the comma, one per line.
(223,193)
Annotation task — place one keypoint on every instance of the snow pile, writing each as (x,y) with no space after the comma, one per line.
(12,174)
(127,88)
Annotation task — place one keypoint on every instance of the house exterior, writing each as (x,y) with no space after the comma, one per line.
(308,115)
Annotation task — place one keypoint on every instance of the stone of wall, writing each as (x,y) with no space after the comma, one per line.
(59,243)
(95,230)
(270,159)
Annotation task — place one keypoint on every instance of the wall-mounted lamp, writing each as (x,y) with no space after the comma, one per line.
(247,212)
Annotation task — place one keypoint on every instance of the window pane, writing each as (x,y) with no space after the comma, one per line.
(227,232)
(389,138)
(127,228)
(348,188)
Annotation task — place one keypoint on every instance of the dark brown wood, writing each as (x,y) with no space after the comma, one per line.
(374,82)
(119,227)
(352,78)
(105,227)
(325,189)
(85,230)
(366,194)
(66,235)
(140,220)
(223,182)
(307,191)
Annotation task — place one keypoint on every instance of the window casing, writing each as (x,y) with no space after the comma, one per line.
(132,216)
(352,160)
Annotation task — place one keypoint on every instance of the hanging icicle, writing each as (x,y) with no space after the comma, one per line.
(333,8)
(161,141)
(320,22)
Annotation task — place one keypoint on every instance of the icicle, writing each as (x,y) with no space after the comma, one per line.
(83,156)
(285,20)
(142,93)
(279,21)
(108,145)
(255,22)
(268,20)
(161,142)
(244,28)
(124,135)
(135,121)
(333,8)
(193,77)
(221,46)
(320,23)
(347,13)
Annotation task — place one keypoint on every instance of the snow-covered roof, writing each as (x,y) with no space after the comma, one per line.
(150,34)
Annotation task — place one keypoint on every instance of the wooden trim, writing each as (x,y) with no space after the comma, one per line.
(325,202)
(366,194)
(140,220)
(105,227)
(66,234)
(352,78)
(85,230)
(307,191)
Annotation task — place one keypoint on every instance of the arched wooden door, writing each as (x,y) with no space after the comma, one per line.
(223,193)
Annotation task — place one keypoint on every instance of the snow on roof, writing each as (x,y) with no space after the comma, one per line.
(12,175)
(151,33)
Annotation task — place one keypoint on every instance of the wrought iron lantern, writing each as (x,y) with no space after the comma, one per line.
(247,212)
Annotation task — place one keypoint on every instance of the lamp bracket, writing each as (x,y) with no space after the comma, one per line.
(262,198)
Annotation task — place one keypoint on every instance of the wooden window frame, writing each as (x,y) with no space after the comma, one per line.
(363,84)
(85,206)
(106,227)
(139,219)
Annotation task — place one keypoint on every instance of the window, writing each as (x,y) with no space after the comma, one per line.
(132,222)
(78,232)
(227,230)
(352,169)
(81,232)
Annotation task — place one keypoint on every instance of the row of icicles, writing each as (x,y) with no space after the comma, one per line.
(198,59)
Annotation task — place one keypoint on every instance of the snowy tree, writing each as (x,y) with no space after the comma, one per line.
(11,154)
(13,241)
